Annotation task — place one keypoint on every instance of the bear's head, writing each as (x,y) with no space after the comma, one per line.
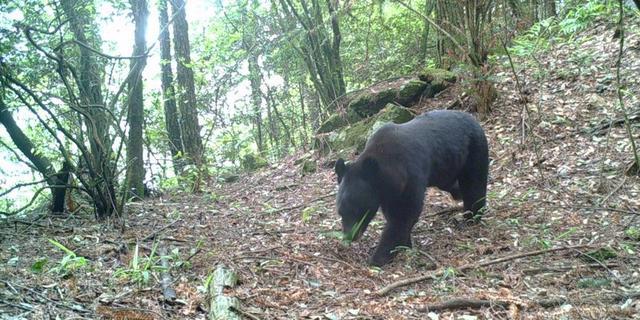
(357,200)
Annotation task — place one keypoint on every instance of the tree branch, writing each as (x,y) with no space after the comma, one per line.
(470,266)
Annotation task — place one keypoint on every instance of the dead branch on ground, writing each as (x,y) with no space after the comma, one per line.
(470,266)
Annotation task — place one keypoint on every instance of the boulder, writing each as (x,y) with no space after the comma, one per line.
(368,102)
(251,162)
(406,91)
(410,91)
(437,79)
(334,122)
(353,138)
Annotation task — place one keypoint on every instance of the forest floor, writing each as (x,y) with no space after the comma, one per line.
(564,187)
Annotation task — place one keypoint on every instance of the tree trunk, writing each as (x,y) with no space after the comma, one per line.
(303,115)
(424,42)
(550,8)
(186,94)
(56,181)
(256,96)
(135,163)
(320,50)
(171,117)
(97,122)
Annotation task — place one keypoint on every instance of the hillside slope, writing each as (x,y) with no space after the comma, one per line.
(557,180)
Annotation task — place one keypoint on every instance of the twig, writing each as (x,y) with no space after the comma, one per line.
(445,211)
(590,257)
(193,254)
(22,306)
(302,204)
(75,308)
(155,233)
(461,303)
(594,208)
(624,179)
(441,271)
(566,268)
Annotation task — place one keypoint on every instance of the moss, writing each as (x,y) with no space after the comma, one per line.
(410,90)
(252,162)
(367,103)
(334,122)
(593,283)
(437,75)
(360,104)
(354,137)
(309,166)
(437,79)
(385,96)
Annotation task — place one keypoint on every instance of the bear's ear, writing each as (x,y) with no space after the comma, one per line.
(340,169)
(370,167)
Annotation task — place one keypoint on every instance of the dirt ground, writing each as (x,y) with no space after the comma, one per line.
(557,180)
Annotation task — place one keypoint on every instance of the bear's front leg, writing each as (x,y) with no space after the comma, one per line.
(394,235)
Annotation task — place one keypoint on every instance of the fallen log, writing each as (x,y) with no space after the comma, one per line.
(221,306)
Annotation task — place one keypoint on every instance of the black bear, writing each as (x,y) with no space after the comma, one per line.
(443,149)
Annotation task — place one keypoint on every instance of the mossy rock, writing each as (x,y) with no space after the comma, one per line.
(360,103)
(410,90)
(252,162)
(437,75)
(334,122)
(437,79)
(353,138)
(308,166)
(231,178)
(337,121)
(368,103)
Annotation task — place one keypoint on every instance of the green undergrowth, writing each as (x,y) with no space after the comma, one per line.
(565,28)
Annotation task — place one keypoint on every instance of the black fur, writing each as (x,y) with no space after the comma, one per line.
(444,149)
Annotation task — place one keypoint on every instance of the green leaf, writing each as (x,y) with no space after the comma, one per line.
(62,247)
(38,266)
(306,213)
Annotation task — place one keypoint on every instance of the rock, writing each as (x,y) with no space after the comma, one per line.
(251,161)
(437,79)
(353,138)
(334,122)
(368,102)
(231,178)
(410,91)
(308,166)
(438,75)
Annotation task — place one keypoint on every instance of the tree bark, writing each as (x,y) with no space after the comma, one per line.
(135,163)
(171,116)
(424,42)
(56,181)
(186,95)
(97,122)
(319,50)
(256,96)
(550,8)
